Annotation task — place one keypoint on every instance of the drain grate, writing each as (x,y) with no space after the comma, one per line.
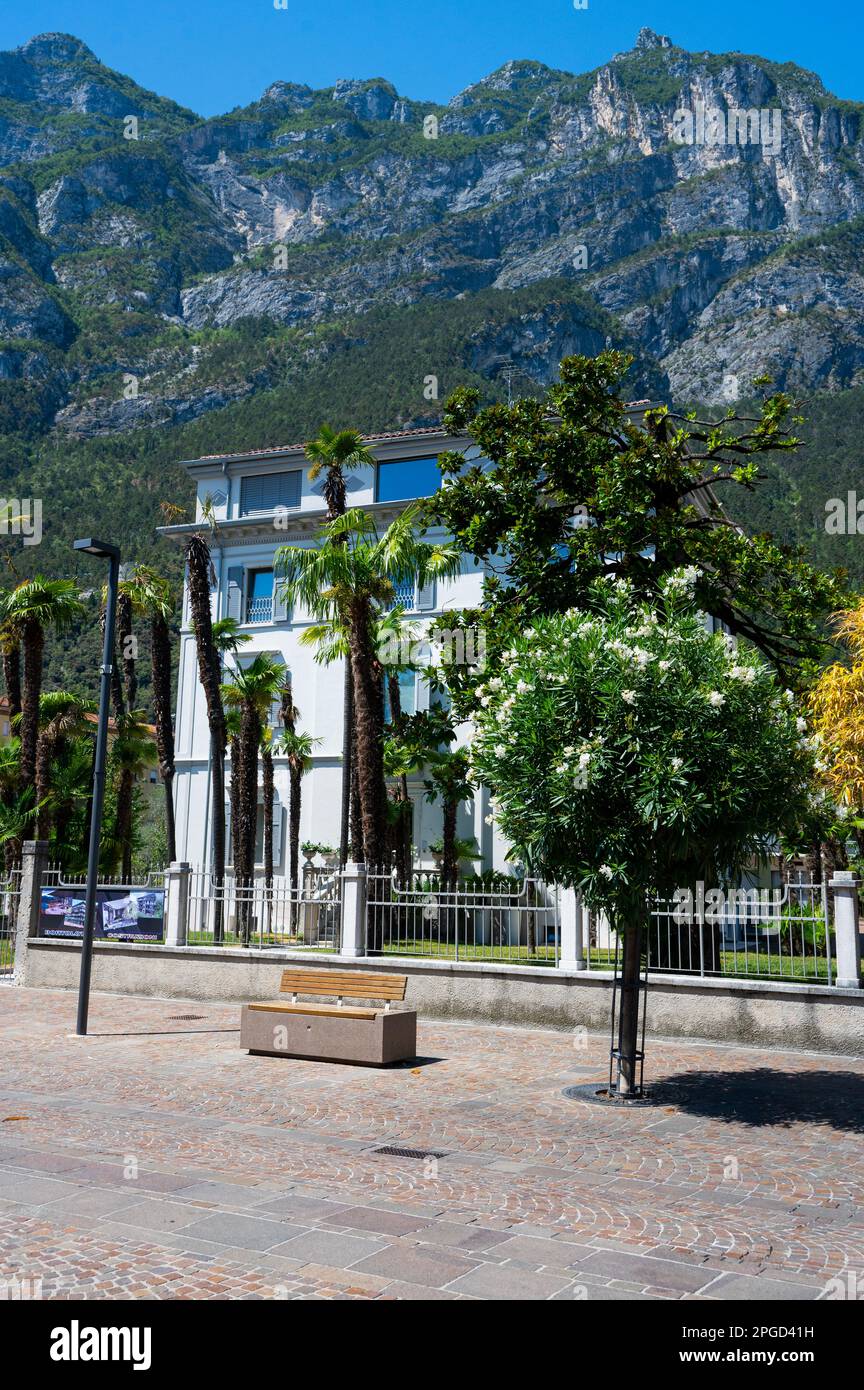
(186,1018)
(393,1151)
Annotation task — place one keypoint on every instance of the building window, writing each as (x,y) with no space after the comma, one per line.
(259,596)
(407,694)
(403,594)
(407,478)
(264,492)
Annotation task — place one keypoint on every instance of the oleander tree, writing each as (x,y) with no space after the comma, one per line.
(631,752)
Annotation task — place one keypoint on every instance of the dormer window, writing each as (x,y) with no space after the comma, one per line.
(261,493)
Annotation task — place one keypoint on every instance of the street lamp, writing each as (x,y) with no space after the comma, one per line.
(112,555)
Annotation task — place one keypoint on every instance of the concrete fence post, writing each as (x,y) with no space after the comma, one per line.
(34,862)
(353,910)
(844,886)
(572,956)
(177,879)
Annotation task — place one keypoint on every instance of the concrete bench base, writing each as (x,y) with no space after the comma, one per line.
(388,1037)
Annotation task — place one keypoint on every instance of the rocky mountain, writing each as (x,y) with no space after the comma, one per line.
(136,239)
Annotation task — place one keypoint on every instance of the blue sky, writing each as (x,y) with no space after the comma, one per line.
(211,55)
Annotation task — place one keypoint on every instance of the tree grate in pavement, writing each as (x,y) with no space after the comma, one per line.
(394,1152)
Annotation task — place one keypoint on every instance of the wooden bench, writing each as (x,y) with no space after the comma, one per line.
(333,1032)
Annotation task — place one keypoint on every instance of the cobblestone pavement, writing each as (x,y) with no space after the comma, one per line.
(155,1159)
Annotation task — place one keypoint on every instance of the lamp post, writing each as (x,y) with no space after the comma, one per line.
(112,555)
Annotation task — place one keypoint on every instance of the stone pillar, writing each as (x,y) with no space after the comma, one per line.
(353,910)
(177,880)
(572,954)
(844,886)
(34,862)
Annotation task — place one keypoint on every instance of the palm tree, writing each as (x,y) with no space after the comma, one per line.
(227,639)
(297,748)
(252,691)
(351,578)
(152,597)
(334,451)
(199,569)
(31,607)
(62,719)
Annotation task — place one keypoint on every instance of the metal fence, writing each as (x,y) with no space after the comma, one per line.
(255,915)
(779,934)
(513,920)
(10,892)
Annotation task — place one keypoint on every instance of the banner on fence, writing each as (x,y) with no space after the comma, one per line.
(122,914)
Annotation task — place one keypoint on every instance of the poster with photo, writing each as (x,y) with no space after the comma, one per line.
(122,914)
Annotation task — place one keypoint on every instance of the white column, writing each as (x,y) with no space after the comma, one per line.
(177,878)
(844,886)
(572,945)
(353,910)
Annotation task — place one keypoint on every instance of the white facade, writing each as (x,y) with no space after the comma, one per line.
(260,502)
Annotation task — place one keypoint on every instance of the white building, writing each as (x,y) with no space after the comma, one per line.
(261,501)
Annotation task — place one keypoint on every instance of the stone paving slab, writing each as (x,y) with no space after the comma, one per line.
(156,1161)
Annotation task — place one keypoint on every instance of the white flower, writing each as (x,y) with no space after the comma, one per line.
(500,750)
(606,871)
(664,665)
(677,764)
(801,725)
(715,699)
(628,696)
(584,759)
(842,812)
(742,673)
(490,820)
(522,687)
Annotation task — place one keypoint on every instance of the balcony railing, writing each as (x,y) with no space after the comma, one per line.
(259,610)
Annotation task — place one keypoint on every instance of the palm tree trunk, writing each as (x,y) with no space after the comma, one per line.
(368,723)
(347,764)
(45,749)
(12,675)
(160,662)
(34,643)
(127,648)
(295,779)
(210,675)
(125,788)
(267,793)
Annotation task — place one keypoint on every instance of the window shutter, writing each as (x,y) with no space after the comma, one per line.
(280,607)
(277,832)
(426,595)
(265,492)
(235,593)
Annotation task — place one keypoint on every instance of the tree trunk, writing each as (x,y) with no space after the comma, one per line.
(628,1011)
(12,676)
(125,792)
(247,815)
(34,643)
(347,765)
(295,779)
(449,861)
(210,675)
(369,746)
(127,648)
(267,793)
(160,662)
(358,852)
(45,750)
